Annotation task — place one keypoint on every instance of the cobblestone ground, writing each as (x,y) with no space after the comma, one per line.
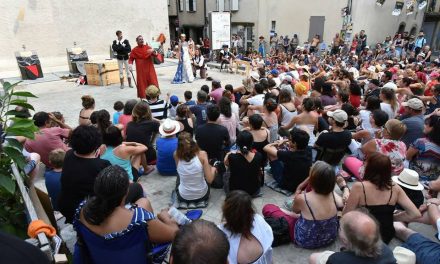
(64,96)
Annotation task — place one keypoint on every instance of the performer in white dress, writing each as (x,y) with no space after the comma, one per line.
(184,69)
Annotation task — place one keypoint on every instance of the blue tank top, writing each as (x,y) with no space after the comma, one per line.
(115,160)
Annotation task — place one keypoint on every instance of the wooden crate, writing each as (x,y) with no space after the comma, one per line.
(102,73)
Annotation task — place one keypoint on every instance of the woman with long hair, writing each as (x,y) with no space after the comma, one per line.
(194,171)
(143,129)
(389,102)
(379,195)
(288,109)
(307,120)
(244,166)
(126,117)
(250,237)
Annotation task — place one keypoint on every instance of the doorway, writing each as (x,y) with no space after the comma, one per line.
(316,27)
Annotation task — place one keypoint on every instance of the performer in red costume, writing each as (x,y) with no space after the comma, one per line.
(145,72)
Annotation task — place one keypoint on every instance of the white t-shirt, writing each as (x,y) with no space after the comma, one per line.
(365,118)
(257,100)
(387,109)
(235,110)
(261,231)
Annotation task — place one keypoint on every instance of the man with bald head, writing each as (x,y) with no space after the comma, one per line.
(361,243)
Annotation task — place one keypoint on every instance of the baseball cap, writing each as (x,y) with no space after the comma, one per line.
(414,103)
(174,99)
(338,115)
(390,85)
(274,72)
(153,91)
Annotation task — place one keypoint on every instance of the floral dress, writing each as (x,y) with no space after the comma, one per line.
(394,149)
(427,162)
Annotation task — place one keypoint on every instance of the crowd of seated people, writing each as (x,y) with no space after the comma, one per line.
(361,145)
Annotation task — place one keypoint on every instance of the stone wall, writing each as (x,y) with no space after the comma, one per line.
(51,26)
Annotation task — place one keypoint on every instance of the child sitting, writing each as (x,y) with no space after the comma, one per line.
(118,107)
(188,98)
(174,102)
(52,177)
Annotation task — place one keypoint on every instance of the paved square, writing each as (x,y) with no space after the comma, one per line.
(65,97)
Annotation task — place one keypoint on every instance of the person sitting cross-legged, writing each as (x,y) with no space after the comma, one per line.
(313,222)
(194,171)
(290,167)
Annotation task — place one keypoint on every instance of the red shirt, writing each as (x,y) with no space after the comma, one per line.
(47,140)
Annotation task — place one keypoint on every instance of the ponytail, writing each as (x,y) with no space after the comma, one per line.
(244,150)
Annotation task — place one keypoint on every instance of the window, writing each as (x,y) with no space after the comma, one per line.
(181,5)
(191,5)
(234,5)
(274,24)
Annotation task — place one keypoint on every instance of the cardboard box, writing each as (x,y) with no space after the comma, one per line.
(102,73)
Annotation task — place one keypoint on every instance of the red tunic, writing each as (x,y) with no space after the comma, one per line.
(145,72)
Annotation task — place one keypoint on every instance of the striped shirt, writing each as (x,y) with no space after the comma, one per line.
(159,108)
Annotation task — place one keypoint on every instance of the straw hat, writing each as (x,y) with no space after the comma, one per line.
(170,127)
(408,179)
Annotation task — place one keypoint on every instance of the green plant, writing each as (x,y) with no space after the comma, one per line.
(12,216)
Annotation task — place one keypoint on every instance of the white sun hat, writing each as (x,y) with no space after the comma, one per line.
(170,127)
(408,179)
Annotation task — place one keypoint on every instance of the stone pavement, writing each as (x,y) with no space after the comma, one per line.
(65,96)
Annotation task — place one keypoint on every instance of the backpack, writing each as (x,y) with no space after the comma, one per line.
(280,230)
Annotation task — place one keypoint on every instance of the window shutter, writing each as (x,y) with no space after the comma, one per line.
(234,5)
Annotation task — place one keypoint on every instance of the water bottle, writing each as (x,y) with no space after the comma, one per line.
(178,216)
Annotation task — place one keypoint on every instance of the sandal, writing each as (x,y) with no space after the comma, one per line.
(149,170)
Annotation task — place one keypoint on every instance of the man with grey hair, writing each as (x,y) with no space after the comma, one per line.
(361,243)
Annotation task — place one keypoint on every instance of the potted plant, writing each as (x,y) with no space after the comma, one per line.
(12,212)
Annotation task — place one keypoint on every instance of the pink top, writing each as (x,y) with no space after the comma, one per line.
(47,140)
(217,94)
(124,120)
(231,125)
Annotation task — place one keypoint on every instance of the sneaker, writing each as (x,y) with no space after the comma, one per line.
(122,86)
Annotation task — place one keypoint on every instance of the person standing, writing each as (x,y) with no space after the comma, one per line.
(145,72)
(184,69)
(122,48)
(420,42)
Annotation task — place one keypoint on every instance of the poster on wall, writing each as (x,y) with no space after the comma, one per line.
(398,7)
(380,2)
(410,6)
(220,25)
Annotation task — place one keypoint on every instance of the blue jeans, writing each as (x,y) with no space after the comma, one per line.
(426,250)
(277,169)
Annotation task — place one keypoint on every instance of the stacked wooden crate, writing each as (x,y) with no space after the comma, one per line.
(102,73)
